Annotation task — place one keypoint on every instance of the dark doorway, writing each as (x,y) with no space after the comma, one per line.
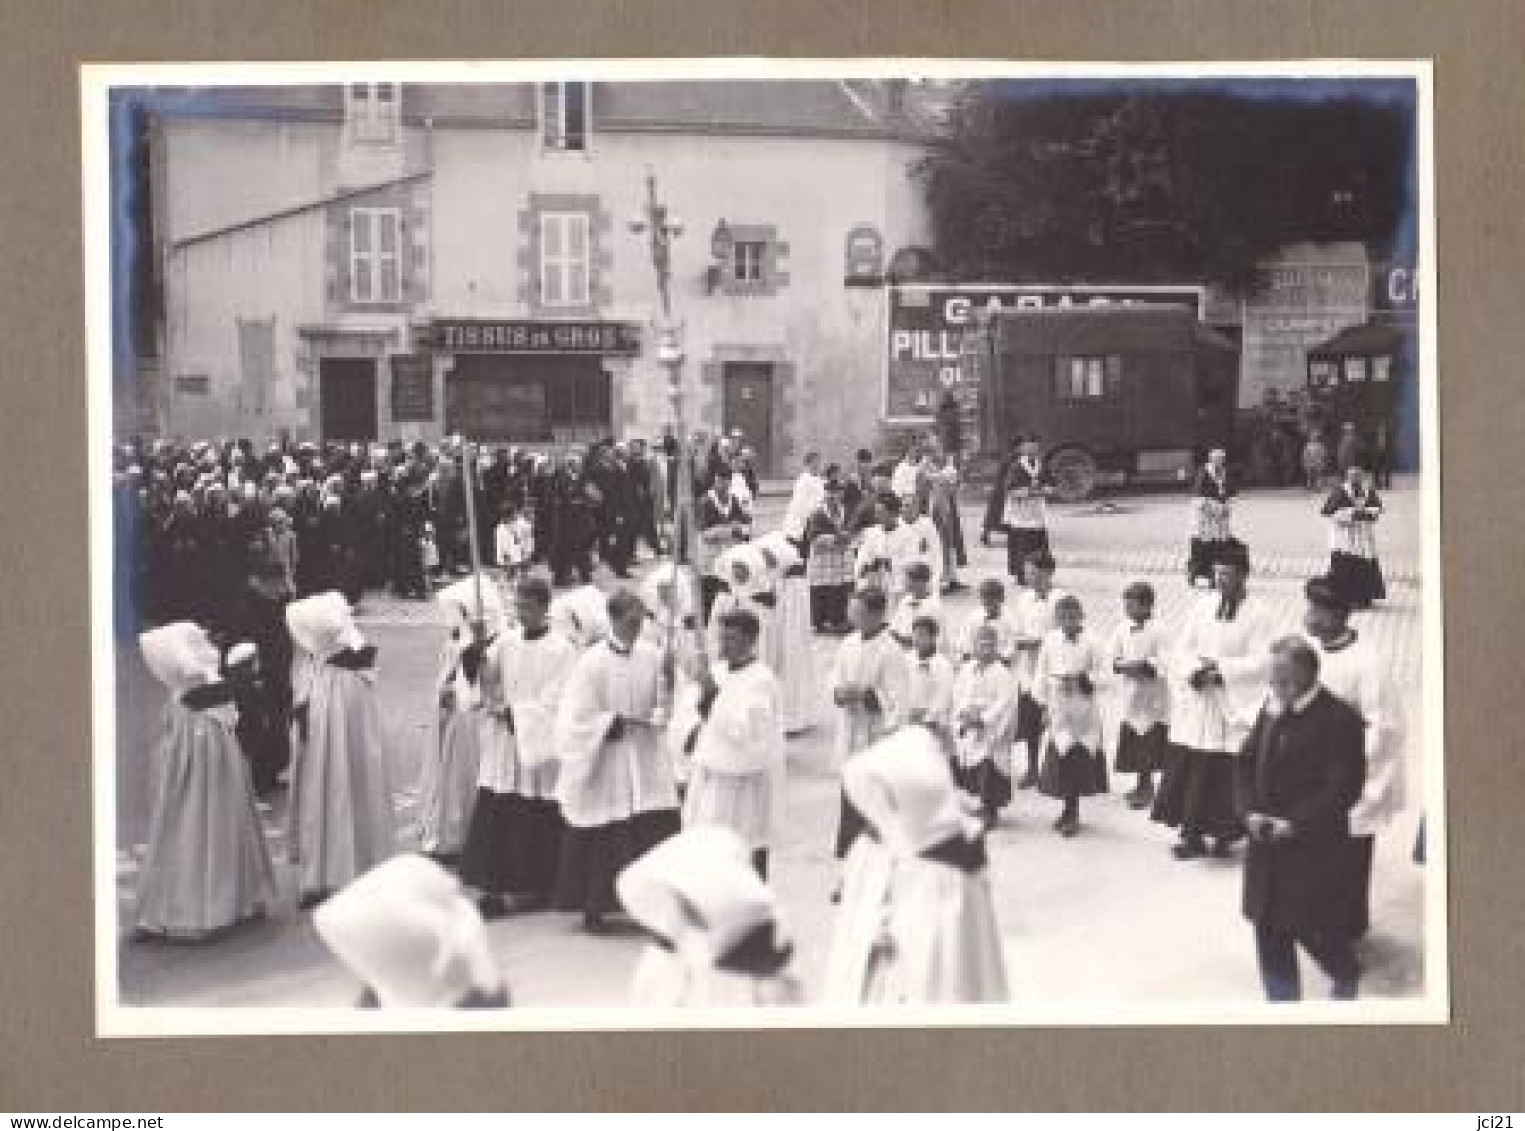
(347,395)
(747,404)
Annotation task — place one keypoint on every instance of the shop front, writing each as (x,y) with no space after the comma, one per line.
(530,382)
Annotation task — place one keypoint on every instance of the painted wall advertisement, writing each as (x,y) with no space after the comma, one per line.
(929,327)
(1298,305)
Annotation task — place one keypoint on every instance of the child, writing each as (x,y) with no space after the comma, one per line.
(428,550)
(1137,654)
(992,612)
(1035,619)
(341,816)
(919,601)
(514,540)
(983,707)
(930,699)
(207,866)
(1064,684)
(918,923)
(411,937)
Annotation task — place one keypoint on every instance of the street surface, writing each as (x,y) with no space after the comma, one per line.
(1109,916)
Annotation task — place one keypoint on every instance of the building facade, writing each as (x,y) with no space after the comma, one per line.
(399,262)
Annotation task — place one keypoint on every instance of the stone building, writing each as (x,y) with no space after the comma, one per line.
(379,261)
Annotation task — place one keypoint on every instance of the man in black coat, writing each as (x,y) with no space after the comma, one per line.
(1303,768)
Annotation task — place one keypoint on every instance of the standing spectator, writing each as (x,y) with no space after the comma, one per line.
(1300,775)
(1315,461)
(1382,458)
(1351,451)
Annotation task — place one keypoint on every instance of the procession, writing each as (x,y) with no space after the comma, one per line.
(995,581)
(617,708)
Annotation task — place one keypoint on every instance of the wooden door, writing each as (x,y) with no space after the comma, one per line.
(747,404)
(347,398)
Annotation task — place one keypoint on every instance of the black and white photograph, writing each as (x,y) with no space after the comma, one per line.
(745,543)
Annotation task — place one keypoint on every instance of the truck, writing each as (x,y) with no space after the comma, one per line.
(1115,395)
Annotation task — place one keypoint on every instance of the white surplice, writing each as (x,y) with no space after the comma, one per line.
(884,555)
(877,663)
(527,678)
(983,712)
(1357,674)
(737,773)
(1217,718)
(605,780)
(1033,616)
(929,698)
(1072,714)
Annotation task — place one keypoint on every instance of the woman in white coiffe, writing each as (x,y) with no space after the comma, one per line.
(412,938)
(207,867)
(917,924)
(789,653)
(714,933)
(448,775)
(341,816)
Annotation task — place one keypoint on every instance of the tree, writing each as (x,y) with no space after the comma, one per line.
(1155,185)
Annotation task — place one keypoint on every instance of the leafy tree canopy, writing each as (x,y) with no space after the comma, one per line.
(1169,185)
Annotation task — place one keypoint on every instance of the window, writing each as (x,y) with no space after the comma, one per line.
(372,108)
(564,259)
(1088,378)
(373,255)
(564,116)
(1381,367)
(1355,369)
(1321,373)
(747,261)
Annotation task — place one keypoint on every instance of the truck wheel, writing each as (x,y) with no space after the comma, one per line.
(1074,472)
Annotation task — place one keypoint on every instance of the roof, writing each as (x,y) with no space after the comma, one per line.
(1158,328)
(1367,338)
(869,109)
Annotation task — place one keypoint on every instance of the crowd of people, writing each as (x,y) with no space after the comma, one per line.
(624,752)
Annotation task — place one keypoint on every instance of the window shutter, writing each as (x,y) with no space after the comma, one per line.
(550,114)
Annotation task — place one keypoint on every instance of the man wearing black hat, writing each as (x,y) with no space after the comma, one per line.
(1354,672)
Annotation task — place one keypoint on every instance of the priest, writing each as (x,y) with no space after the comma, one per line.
(616,785)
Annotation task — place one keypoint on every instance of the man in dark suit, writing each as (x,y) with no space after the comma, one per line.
(1302,770)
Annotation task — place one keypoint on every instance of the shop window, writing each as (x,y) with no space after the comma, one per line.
(372,111)
(1088,378)
(1355,369)
(564,116)
(564,259)
(375,273)
(578,398)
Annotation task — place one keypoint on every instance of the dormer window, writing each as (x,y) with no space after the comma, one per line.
(372,110)
(564,118)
